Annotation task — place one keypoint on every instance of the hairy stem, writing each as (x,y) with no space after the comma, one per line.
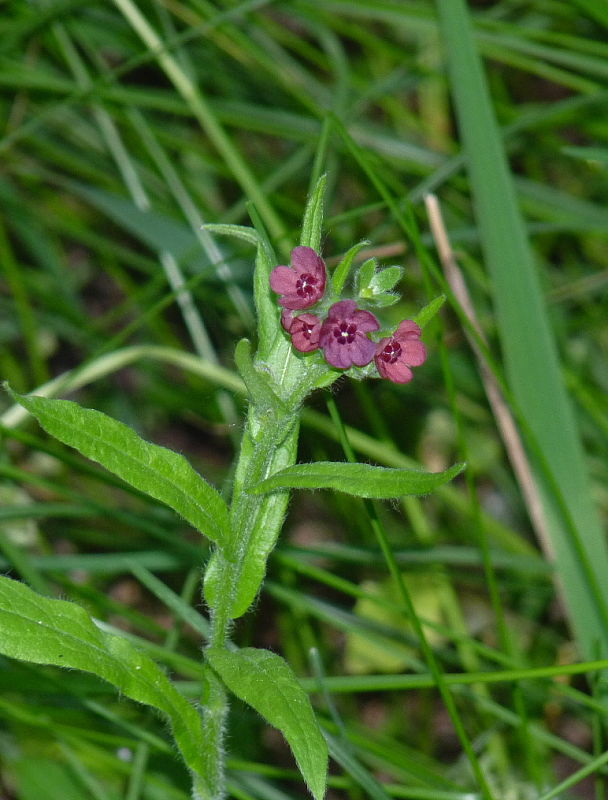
(263,435)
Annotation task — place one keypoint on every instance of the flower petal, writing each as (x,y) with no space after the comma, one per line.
(407,330)
(365,321)
(362,350)
(305,259)
(399,372)
(336,355)
(283,280)
(414,352)
(341,310)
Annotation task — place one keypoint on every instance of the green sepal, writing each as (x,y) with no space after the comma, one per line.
(265,299)
(384,300)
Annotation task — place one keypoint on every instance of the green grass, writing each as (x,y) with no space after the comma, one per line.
(129,125)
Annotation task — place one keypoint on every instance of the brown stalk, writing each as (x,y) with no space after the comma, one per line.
(504,418)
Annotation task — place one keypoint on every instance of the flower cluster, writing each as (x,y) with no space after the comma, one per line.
(343,334)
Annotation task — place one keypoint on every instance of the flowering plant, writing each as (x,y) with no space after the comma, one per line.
(296,354)
(343,334)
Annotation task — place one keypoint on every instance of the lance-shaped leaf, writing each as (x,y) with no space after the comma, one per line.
(154,470)
(266,682)
(45,631)
(360,480)
(312,223)
(341,272)
(426,314)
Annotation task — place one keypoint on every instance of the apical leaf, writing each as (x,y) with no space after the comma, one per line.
(360,480)
(266,682)
(269,329)
(342,270)
(157,471)
(312,223)
(45,631)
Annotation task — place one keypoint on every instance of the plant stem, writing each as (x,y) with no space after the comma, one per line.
(264,433)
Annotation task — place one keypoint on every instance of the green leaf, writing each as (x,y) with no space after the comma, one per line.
(341,271)
(44,631)
(365,276)
(157,471)
(243,232)
(426,314)
(386,279)
(359,480)
(312,222)
(269,329)
(384,300)
(266,682)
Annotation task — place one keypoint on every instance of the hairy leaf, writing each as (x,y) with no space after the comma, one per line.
(360,480)
(266,682)
(342,271)
(427,313)
(45,631)
(386,279)
(312,222)
(157,471)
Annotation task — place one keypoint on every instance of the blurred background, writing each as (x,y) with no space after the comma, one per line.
(128,125)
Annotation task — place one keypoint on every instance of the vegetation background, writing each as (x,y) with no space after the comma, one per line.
(126,126)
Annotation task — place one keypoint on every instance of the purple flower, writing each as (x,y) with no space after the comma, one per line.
(302,284)
(343,335)
(304,330)
(397,353)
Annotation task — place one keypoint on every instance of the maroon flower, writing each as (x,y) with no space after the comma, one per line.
(302,284)
(304,330)
(343,335)
(397,353)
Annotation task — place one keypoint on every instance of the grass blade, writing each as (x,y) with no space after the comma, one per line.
(530,353)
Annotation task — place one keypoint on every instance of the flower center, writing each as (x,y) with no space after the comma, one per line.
(306,285)
(307,329)
(344,332)
(391,352)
